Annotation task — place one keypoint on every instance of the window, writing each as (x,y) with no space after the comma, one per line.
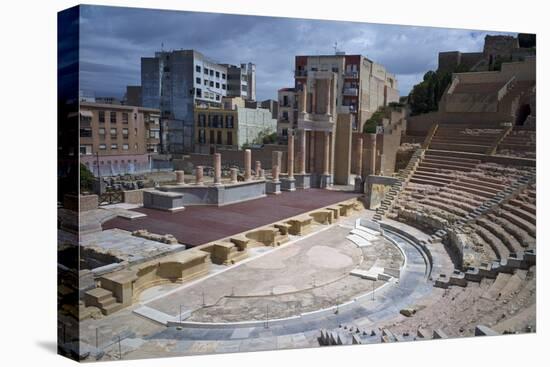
(229,138)
(211,136)
(211,83)
(124,117)
(113,117)
(211,72)
(205,82)
(217,74)
(223,75)
(217,97)
(102,116)
(202,120)
(229,121)
(206,71)
(114,147)
(135,131)
(198,80)
(199,92)
(166,69)
(113,133)
(86,149)
(86,132)
(102,132)
(125,147)
(334,69)
(223,86)
(102,147)
(202,136)
(285,115)
(125,133)
(219,138)
(198,69)
(217,85)
(285,132)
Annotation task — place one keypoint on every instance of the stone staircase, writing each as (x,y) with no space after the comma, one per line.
(102,299)
(390,198)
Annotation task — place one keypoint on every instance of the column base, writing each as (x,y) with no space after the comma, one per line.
(359,184)
(273,187)
(288,184)
(325,181)
(303,181)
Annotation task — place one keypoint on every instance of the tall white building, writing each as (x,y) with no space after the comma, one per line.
(174,82)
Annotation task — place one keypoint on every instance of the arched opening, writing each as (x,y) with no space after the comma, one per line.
(522,113)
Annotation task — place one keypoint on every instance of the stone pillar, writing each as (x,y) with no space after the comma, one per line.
(302,153)
(312,151)
(328,97)
(326,154)
(303,99)
(199,175)
(247,164)
(180,177)
(358,184)
(261,173)
(217,169)
(369,153)
(276,159)
(290,157)
(258,168)
(359,157)
(234,172)
(275,173)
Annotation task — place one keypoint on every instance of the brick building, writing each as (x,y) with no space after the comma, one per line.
(118,138)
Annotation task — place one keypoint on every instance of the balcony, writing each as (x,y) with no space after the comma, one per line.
(351,74)
(351,92)
(300,73)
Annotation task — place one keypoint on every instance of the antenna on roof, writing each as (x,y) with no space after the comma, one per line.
(162,46)
(335,47)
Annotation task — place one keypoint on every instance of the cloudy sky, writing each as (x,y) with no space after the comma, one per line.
(114,39)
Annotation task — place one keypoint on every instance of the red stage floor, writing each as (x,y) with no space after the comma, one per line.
(201,224)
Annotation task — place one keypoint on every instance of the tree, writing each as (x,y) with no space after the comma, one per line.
(425,96)
(86,178)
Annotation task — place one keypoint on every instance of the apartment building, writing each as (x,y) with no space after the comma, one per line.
(173,82)
(118,139)
(361,84)
(241,81)
(287,114)
(230,126)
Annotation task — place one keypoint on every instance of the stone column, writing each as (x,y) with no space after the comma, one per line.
(257,169)
(369,153)
(234,172)
(180,177)
(247,164)
(275,173)
(359,157)
(312,151)
(217,169)
(199,175)
(302,153)
(276,159)
(261,173)
(290,157)
(328,96)
(303,99)
(326,154)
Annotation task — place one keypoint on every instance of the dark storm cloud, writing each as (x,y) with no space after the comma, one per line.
(113,40)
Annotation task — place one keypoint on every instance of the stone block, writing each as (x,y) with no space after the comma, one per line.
(288,184)
(163,200)
(273,187)
(302,181)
